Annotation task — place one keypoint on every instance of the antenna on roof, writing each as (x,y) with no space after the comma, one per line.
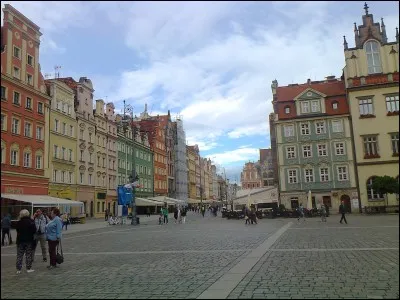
(56,74)
(47,75)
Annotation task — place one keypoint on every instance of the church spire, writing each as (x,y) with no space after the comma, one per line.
(345,45)
(366,8)
(397,34)
(383,29)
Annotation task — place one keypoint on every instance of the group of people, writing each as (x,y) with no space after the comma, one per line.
(323,212)
(32,231)
(250,215)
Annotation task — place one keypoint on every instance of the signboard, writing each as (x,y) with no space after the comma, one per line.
(354,203)
(14,190)
(124,195)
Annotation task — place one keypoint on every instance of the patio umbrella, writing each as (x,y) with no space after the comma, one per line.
(309,200)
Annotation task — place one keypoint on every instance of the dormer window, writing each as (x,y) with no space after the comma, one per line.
(305,107)
(315,106)
(335,105)
(373,57)
(287,109)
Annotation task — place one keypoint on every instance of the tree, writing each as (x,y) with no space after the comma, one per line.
(386,185)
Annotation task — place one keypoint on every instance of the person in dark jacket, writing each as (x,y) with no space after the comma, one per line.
(176,211)
(342,210)
(26,230)
(183,214)
(5,229)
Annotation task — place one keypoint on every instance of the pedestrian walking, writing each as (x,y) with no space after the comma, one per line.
(179,215)
(176,214)
(148,211)
(53,235)
(5,229)
(300,212)
(65,221)
(253,215)
(160,217)
(165,213)
(203,210)
(342,210)
(25,240)
(184,213)
(106,214)
(323,213)
(247,216)
(40,235)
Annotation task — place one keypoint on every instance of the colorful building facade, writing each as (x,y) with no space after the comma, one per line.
(372,81)
(24,105)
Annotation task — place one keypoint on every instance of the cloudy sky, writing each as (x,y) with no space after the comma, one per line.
(210,62)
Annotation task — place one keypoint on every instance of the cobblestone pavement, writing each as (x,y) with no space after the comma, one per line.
(218,258)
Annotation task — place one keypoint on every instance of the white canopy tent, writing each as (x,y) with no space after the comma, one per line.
(146,202)
(193,201)
(43,200)
(162,199)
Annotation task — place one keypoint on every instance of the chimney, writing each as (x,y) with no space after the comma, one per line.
(330,78)
(308,81)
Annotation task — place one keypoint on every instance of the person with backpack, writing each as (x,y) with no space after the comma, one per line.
(40,237)
(5,229)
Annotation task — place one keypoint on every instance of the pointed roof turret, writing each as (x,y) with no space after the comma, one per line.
(397,34)
(345,45)
(366,8)
(383,29)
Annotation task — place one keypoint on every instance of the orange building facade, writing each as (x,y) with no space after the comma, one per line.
(24,105)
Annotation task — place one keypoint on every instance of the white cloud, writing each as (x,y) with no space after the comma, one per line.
(237,155)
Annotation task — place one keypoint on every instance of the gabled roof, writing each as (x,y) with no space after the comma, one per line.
(69,81)
(328,88)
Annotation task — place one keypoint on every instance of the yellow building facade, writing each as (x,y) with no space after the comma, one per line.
(372,81)
(191,155)
(62,127)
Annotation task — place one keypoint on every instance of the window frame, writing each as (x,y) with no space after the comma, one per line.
(293,177)
(366,107)
(308,128)
(16,151)
(310,151)
(40,108)
(339,174)
(18,132)
(392,105)
(27,60)
(19,98)
(4,88)
(30,125)
(16,71)
(324,177)
(286,130)
(27,158)
(318,128)
(317,106)
(4,123)
(326,150)
(370,190)
(367,141)
(309,178)
(30,106)
(373,67)
(394,136)
(336,125)
(305,104)
(343,148)
(39,157)
(19,52)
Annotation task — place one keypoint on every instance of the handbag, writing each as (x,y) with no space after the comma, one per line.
(59,255)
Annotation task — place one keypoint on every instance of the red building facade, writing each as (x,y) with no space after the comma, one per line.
(24,105)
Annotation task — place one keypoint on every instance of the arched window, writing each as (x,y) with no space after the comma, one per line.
(372,194)
(39,159)
(373,57)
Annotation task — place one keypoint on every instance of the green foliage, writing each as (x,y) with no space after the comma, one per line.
(386,184)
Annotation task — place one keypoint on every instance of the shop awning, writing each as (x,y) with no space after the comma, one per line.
(162,199)
(147,202)
(193,201)
(177,201)
(41,200)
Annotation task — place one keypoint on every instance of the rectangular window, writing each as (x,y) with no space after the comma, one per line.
(70,177)
(30,60)
(64,128)
(3,93)
(305,107)
(71,131)
(339,149)
(315,106)
(289,130)
(69,109)
(292,175)
(28,103)
(56,125)
(17,73)
(63,153)
(305,128)
(342,173)
(81,178)
(81,155)
(16,98)
(320,127)
(63,176)
(365,106)
(14,158)
(58,105)
(3,122)
(324,174)
(290,152)
(307,151)
(40,107)
(27,131)
(395,143)
(39,133)
(55,151)
(70,155)
(90,179)
(55,175)
(15,126)
(27,160)
(309,175)
(38,161)
(322,150)
(337,126)
(29,79)
(17,52)
(371,145)
(392,103)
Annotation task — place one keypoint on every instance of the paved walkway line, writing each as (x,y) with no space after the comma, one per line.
(225,285)
(336,249)
(341,227)
(146,252)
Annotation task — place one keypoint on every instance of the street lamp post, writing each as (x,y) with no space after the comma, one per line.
(133,178)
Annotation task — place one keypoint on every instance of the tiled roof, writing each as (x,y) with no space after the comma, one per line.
(330,88)
(69,81)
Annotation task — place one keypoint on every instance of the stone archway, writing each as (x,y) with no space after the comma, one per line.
(347,202)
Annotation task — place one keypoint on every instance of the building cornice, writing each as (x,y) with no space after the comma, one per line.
(26,87)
